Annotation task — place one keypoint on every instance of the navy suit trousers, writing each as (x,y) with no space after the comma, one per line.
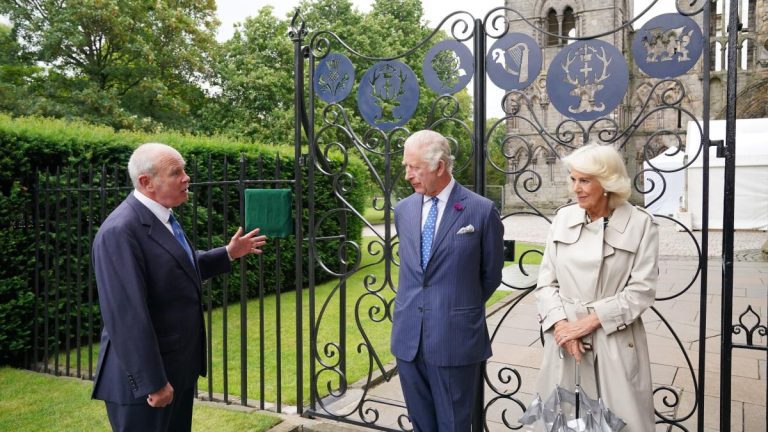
(439,398)
(176,417)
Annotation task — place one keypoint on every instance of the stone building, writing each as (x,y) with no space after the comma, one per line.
(651,129)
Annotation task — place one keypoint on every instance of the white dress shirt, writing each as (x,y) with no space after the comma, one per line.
(442,201)
(163,213)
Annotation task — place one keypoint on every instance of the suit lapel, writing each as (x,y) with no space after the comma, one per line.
(160,234)
(412,231)
(450,216)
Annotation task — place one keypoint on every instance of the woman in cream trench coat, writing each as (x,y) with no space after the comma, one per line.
(595,281)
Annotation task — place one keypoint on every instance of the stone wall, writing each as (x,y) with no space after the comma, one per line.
(654,128)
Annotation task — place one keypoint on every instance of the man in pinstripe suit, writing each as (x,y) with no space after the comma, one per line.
(451,256)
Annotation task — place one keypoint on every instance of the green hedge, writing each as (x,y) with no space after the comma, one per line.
(70,156)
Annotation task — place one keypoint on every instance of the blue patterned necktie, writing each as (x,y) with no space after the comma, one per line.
(428,233)
(179,234)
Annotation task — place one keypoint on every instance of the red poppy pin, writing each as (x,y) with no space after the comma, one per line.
(458,206)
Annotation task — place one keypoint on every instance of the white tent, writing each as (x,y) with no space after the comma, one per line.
(665,184)
(751,188)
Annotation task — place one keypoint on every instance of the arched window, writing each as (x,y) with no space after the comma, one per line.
(746,54)
(552,27)
(569,22)
(715,19)
(752,16)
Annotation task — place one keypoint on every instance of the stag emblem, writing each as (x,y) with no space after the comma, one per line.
(387,86)
(587,87)
(335,80)
(663,45)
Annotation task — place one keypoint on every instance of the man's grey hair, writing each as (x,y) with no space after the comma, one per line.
(144,158)
(436,148)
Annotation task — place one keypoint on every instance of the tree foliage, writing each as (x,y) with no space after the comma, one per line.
(134,64)
(16,70)
(257,81)
(255,76)
(147,65)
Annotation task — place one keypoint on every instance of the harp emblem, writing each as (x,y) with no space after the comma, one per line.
(514,60)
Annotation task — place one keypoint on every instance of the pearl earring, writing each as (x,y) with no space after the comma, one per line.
(605,193)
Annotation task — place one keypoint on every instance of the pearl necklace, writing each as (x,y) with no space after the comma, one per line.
(588,219)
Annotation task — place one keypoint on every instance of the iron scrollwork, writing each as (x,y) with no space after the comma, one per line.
(585,70)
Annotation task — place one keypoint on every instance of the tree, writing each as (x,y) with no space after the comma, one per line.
(125,63)
(16,70)
(256,65)
(255,77)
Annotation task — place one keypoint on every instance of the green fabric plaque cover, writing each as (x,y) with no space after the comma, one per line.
(270,210)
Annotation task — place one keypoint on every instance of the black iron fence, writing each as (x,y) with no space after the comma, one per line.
(69,205)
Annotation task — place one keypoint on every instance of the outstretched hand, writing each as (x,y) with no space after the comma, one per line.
(241,245)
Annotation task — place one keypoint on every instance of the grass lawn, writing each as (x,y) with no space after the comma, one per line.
(35,402)
(532,258)
(368,305)
(374,216)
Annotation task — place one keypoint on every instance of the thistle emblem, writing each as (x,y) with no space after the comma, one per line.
(334,80)
(447,66)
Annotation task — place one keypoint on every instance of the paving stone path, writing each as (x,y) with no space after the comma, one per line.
(516,343)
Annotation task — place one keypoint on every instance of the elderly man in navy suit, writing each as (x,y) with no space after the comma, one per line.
(451,256)
(149,281)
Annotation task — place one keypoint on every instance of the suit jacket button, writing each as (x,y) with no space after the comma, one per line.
(420,309)
(631,345)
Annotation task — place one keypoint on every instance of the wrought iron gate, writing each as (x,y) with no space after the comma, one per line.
(587,84)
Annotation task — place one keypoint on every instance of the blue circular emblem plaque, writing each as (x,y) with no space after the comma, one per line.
(448,67)
(514,61)
(668,45)
(334,77)
(587,79)
(388,94)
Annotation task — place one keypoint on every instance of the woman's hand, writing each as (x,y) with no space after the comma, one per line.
(566,331)
(575,349)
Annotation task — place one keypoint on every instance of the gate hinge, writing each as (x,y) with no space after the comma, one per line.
(720,147)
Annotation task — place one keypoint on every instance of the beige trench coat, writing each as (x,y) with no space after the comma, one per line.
(612,272)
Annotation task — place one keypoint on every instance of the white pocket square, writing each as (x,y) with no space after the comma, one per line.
(466,230)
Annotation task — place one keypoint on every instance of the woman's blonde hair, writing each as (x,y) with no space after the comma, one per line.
(607,166)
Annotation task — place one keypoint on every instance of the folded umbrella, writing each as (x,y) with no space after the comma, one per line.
(571,411)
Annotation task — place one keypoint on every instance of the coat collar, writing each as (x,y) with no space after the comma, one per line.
(619,220)
(615,234)
(160,234)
